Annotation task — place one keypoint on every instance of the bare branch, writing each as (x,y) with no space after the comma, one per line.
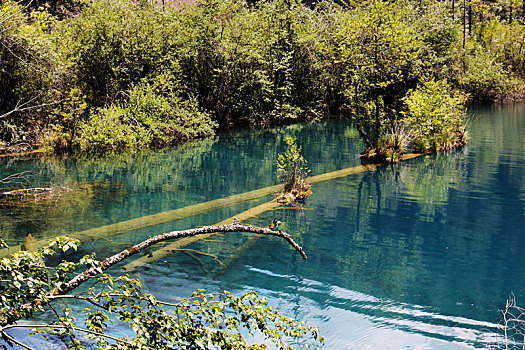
(79,297)
(14,340)
(58,326)
(112,260)
(20,58)
(513,325)
(16,12)
(19,109)
(18,177)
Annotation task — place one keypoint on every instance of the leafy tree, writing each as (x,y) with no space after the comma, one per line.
(30,284)
(292,169)
(143,120)
(382,58)
(435,116)
(27,72)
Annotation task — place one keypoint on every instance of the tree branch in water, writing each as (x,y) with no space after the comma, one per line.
(112,260)
(16,178)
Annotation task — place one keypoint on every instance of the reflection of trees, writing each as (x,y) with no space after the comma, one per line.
(127,186)
(107,190)
(429,180)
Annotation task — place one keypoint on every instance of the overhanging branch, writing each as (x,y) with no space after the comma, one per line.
(112,260)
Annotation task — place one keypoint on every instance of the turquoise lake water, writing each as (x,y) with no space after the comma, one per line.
(418,255)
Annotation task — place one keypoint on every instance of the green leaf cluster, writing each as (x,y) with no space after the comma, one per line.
(292,168)
(29,64)
(219,63)
(25,279)
(144,119)
(201,321)
(435,116)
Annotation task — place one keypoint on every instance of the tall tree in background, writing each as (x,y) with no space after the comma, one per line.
(381,54)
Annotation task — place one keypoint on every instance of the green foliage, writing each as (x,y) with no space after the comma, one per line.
(252,63)
(113,46)
(143,120)
(229,62)
(27,68)
(24,278)
(479,74)
(292,169)
(382,57)
(203,319)
(435,116)
(393,144)
(198,322)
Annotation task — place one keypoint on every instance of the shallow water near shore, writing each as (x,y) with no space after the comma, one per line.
(417,255)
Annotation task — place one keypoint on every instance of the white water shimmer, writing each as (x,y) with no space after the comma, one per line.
(354,320)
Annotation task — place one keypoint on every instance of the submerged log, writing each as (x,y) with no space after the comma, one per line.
(192,210)
(156,219)
(176,246)
(17,154)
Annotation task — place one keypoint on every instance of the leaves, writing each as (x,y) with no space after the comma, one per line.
(292,168)
(435,116)
(201,321)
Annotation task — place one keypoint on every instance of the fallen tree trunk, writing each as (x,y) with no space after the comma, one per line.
(177,214)
(112,260)
(184,242)
(155,219)
(40,150)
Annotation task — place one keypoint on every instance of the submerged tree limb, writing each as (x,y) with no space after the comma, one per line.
(180,213)
(181,243)
(15,178)
(112,260)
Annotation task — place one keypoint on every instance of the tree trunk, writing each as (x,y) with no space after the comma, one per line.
(464,22)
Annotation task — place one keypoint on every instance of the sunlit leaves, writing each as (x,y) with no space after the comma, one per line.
(435,115)
(199,322)
(382,56)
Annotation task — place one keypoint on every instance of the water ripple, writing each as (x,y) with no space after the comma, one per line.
(362,318)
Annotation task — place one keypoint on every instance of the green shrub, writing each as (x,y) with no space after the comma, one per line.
(28,67)
(392,145)
(113,46)
(435,116)
(292,170)
(253,63)
(144,119)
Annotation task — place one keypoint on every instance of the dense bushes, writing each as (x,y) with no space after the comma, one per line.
(435,116)
(131,74)
(143,119)
(27,72)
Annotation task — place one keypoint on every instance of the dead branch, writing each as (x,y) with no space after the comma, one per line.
(17,177)
(36,191)
(513,325)
(62,326)
(20,107)
(20,10)
(194,257)
(112,260)
(214,257)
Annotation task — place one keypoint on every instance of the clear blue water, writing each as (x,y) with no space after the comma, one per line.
(418,255)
